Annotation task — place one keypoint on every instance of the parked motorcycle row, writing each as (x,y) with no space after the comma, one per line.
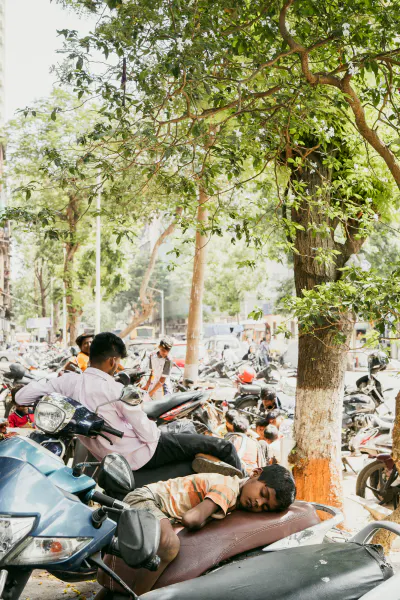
(71,519)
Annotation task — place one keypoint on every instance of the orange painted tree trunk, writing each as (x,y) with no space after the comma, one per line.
(322,362)
(195,319)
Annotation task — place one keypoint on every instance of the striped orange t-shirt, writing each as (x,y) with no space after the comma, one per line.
(176,496)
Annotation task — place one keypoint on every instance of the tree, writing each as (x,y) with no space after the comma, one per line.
(289,76)
(228,280)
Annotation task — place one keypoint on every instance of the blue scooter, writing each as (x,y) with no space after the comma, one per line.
(45,520)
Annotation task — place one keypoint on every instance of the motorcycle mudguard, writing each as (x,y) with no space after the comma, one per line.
(328,571)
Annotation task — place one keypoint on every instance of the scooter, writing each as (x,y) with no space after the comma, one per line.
(355,570)
(49,525)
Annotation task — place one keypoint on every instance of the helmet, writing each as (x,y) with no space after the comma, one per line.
(166,342)
(377,361)
(246,374)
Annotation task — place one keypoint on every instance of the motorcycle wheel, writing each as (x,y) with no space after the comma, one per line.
(249,408)
(371,479)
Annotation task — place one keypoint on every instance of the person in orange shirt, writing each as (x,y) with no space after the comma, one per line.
(84,341)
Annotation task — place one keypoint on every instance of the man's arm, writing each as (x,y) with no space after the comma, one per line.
(146,430)
(32,392)
(197,517)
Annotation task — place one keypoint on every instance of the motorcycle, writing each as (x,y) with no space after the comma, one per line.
(50,526)
(356,570)
(382,479)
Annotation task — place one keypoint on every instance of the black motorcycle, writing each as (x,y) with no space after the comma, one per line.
(361,404)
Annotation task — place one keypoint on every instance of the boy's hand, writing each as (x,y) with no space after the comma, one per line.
(197,517)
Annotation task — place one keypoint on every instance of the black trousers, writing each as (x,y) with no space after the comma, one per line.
(180,447)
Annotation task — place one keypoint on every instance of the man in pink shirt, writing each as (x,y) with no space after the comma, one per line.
(142,444)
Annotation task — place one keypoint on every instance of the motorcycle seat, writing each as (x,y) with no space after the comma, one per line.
(155,408)
(328,571)
(220,540)
(251,389)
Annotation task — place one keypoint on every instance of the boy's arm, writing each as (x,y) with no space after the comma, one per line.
(158,385)
(196,517)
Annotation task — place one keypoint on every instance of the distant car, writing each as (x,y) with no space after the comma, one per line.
(215,345)
(178,354)
(9,356)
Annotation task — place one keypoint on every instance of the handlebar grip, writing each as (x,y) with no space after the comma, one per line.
(105,500)
(112,431)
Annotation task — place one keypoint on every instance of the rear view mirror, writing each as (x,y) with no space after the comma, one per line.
(131,395)
(115,475)
(74,351)
(139,538)
(123,378)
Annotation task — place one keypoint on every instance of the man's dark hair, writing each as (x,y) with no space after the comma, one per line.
(106,345)
(262,422)
(272,415)
(271,433)
(240,424)
(268,394)
(279,479)
(231,415)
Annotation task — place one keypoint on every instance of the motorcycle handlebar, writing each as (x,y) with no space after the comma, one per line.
(105,500)
(112,431)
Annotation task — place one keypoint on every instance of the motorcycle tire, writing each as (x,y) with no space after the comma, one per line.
(373,475)
(249,409)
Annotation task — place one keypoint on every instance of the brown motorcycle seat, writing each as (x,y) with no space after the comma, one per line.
(220,540)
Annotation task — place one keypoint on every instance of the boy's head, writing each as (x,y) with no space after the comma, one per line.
(268,397)
(240,424)
(261,424)
(22,410)
(165,346)
(271,434)
(230,416)
(271,489)
(106,351)
(275,417)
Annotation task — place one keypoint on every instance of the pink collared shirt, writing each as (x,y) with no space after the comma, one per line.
(92,389)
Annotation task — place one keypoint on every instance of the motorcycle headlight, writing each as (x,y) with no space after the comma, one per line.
(12,531)
(37,551)
(53,412)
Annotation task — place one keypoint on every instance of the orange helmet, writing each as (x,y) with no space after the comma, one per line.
(246,374)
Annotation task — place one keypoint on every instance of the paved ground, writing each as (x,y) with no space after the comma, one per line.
(43,586)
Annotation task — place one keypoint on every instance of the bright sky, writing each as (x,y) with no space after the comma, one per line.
(31,44)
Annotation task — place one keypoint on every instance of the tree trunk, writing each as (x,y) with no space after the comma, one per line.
(385,538)
(71,247)
(56,324)
(322,362)
(146,301)
(197,291)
